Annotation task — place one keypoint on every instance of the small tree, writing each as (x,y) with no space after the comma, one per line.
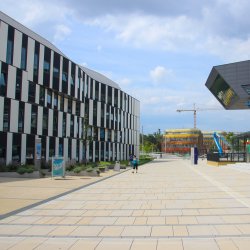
(87,136)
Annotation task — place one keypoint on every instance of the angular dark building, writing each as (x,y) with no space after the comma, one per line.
(44,94)
(230,84)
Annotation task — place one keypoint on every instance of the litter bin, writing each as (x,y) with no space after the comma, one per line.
(117,166)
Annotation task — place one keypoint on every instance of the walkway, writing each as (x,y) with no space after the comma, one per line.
(167,205)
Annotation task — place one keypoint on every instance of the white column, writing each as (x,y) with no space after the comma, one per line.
(17,49)
(4,38)
(30,58)
(23,149)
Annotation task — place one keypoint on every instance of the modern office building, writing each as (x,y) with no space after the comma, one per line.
(230,84)
(181,140)
(44,94)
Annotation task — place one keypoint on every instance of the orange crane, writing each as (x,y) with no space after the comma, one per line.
(195,111)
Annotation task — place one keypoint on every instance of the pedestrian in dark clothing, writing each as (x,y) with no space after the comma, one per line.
(131,160)
(135,164)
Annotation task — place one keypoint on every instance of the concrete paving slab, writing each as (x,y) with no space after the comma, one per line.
(168,205)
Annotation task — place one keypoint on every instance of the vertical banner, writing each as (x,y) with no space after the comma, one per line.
(38,150)
(58,167)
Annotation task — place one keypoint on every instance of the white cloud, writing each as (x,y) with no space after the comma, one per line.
(124,82)
(159,74)
(61,31)
(210,34)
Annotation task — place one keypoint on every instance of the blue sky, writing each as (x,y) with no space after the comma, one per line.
(159,51)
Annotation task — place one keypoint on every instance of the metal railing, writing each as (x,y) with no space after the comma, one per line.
(229,157)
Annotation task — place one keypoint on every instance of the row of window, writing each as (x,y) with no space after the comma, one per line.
(72,74)
(76,126)
(97,150)
(47,97)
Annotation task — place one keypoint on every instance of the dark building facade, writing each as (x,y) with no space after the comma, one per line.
(43,94)
(230,84)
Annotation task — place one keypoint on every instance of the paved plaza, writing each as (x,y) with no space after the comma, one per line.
(168,204)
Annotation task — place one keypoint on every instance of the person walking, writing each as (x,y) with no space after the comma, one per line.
(135,164)
(131,157)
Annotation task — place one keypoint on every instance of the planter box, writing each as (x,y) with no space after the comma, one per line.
(35,174)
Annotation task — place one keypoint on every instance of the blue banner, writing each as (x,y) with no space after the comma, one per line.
(38,151)
(58,167)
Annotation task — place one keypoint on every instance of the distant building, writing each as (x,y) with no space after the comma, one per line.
(230,84)
(181,140)
(44,94)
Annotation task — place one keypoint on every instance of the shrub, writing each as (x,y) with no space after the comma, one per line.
(102,168)
(21,170)
(25,169)
(77,170)
(89,169)
(29,170)
(104,163)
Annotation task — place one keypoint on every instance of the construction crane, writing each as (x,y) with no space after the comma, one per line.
(195,112)
(192,110)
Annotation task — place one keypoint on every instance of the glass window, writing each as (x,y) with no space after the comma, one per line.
(3,146)
(3,79)
(45,121)
(72,79)
(72,126)
(60,147)
(42,96)
(97,91)
(10,45)
(103,92)
(64,125)
(21,117)
(55,123)
(32,92)
(87,86)
(34,120)
(18,84)
(61,103)
(49,98)
(102,134)
(24,52)
(56,67)
(110,95)
(36,62)
(116,98)
(55,101)
(69,105)
(30,146)
(91,88)
(223,92)
(51,146)
(69,148)
(109,135)
(6,115)
(46,67)
(95,133)
(65,75)
(78,108)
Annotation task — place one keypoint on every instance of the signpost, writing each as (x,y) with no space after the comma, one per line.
(58,167)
